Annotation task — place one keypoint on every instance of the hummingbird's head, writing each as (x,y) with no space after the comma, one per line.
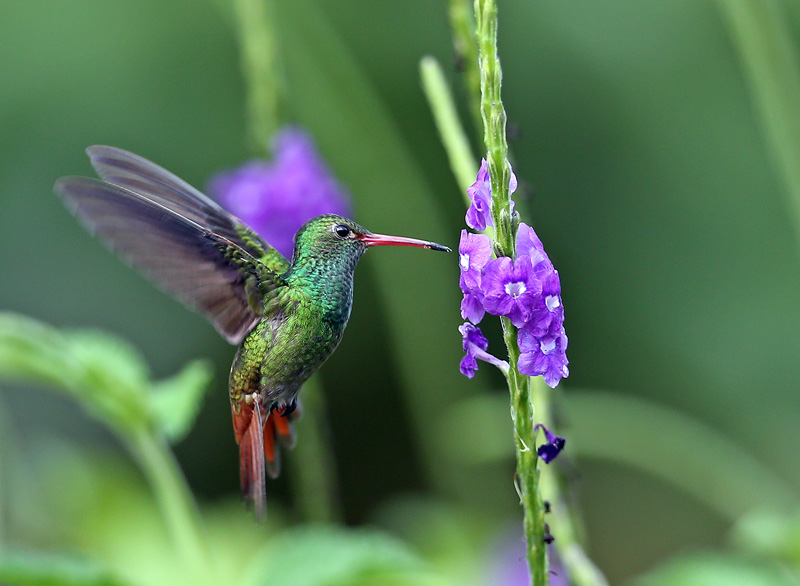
(338,239)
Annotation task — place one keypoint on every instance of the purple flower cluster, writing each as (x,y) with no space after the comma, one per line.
(276,198)
(525,289)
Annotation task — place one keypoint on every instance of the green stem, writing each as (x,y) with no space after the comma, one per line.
(6,452)
(522,409)
(565,522)
(452,135)
(528,474)
(767,50)
(465,44)
(525,392)
(494,125)
(259,62)
(314,472)
(176,503)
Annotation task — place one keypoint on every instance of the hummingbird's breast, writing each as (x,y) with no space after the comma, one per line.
(297,334)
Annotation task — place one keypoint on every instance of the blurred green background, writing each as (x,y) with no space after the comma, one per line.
(644,169)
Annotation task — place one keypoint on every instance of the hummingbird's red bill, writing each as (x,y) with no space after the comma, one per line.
(384,240)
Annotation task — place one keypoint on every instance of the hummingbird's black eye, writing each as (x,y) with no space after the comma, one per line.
(341,231)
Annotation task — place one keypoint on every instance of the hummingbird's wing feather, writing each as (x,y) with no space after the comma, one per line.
(201,267)
(153,182)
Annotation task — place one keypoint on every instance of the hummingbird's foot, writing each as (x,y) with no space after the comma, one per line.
(287,409)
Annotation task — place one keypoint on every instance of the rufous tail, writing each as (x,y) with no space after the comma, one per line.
(257,431)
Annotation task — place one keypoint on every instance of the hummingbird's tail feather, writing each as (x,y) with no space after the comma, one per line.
(284,427)
(272,453)
(278,433)
(260,434)
(249,429)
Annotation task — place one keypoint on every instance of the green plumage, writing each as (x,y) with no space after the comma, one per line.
(287,318)
(302,320)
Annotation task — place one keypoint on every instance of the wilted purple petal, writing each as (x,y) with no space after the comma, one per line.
(278,197)
(468,365)
(475,345)
(553,445)
(472,336)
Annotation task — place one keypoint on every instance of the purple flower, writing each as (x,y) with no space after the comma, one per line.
(475,345)
(511,288)
(276,198)
(480,194)
(545,355)
(548,313)
(553,445)
(474,251)
(472,307)
(528,244)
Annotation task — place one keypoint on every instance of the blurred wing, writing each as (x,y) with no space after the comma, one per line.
(159,185)
(204,269)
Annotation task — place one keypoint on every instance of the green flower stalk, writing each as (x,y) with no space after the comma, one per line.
(765,43)
(506,272)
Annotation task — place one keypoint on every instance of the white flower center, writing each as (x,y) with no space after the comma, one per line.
(552,302)
(547,345)
(515,289)
(464,260)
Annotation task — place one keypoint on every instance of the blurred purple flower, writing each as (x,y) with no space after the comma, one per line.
(276,198)
(545,355)
(509,567)
(511,289)
(475,345)
(553,445)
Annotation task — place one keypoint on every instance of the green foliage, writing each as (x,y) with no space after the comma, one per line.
(329,556)
(38,569)
(653,188)
(770,534)
(716,570)
(177,400)
(104,374)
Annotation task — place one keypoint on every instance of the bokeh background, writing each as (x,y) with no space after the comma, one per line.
(644,169)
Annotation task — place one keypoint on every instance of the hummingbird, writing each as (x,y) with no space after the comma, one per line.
(286,317)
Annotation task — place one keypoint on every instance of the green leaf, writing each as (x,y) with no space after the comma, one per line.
(30,350)
(39,569)
(770,534)
(176,401)
(328,556)
(717,569)
(101,371)
(113,378)
(688,453)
